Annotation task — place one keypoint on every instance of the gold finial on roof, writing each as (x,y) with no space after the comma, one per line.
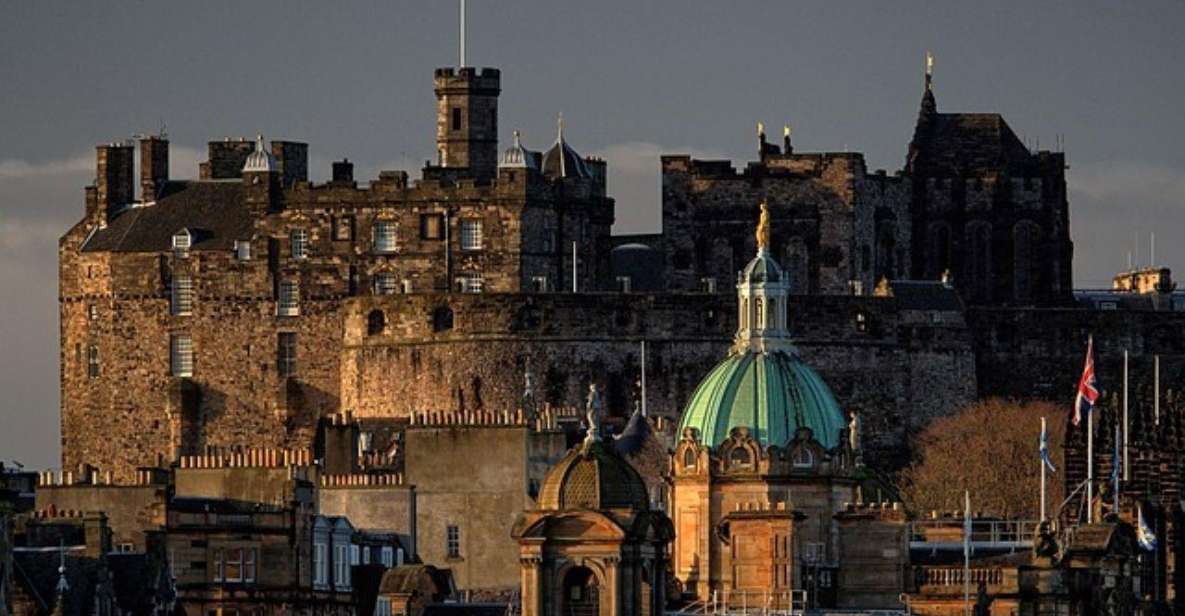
(761,128)
(929,69)
(763,227)
(785,130)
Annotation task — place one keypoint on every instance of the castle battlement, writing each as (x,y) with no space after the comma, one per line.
(362,480)
(247,457)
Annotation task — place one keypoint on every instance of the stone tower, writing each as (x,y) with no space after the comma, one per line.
(467,119)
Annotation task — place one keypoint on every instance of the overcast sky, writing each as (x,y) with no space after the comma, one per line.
(633,78)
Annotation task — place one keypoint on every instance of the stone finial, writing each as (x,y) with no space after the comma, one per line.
(593,416)
(929,69)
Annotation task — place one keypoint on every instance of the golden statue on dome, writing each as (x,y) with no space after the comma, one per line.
(763,227)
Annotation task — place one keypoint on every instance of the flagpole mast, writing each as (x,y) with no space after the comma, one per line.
(967,552)
(1125,420)
(1090,468)
(1115,487)
(1041,461)
(644,413)
(1155,388)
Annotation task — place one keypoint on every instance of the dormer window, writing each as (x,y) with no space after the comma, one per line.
(803,458)
(182,240)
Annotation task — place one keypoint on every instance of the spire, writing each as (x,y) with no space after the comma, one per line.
(929,105)
(559,140)
(63,586)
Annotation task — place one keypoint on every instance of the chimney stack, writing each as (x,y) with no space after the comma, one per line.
(114,173)
(154,166)
(343,171)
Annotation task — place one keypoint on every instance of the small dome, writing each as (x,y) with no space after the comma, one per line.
(593,477)
(772,394)
(561,161)
(518,157)
(763,269)
(259,161)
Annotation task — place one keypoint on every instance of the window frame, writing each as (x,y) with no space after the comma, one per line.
(432,222)
(181,355)
(288,298)
(452,541)
(320,563)
(242,250)
(181,294)
(287,354)
(92,361)
(343,228)
(472,234)
(385,283)
(298,243)
(470,282)
(182,242)
(384,237)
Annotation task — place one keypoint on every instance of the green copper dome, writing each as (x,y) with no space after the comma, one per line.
(773,394)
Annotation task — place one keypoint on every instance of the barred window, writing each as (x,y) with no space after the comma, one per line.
(288,302)
(387,556)
(243,250)
(385,236)
(300,243)
(471,238)
(470,282)
(341,566)
(181,355)
(385,283)
(453,541)
(92,361)
(181,301)
(286,354)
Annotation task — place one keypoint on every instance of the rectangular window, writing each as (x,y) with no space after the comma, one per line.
(341,566)
(387,556)
(453,541)
(366,554)
(92,312)
(471,234)
(320,565)
(343,228)
(456,118)
(218,577)
(243,250)
(288,302)
(182,241)
(300,243)
(623,284)
(250,555)
(234,565)
(382,607)
(286,354)
(355,555)
(181,300)
(539,284)
(708,284)
(181,355)
(398,557)
(385,236)
(470,282)
(385,283)
(431,226)
(92,361)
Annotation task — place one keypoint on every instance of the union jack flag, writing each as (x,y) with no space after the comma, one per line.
(1088,386)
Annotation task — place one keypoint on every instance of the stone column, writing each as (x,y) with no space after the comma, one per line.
(531,579)
(611,604)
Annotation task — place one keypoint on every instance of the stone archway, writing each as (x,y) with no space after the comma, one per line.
(581,593)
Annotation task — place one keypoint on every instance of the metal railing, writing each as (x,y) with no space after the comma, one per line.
(749,603)
(953,576)
(948,533)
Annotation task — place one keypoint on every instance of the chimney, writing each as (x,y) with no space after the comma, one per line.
(98,534)
(226,159)
(292,157)
(343,171)
(154,167)
(114,167)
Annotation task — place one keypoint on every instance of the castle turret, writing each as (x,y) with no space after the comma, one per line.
(467,119)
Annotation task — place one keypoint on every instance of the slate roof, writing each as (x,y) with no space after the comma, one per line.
(963,144)
(212,210)
(631,440)
(37,574)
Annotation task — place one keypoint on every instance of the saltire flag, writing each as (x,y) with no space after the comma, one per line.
(1088,386)
(1144,534)
(1045,449)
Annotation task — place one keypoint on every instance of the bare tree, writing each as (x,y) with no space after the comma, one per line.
(991,449)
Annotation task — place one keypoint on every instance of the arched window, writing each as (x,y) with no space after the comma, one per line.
(1026,237)
(773,314)
(759,313)
(376,322)
(689,458)
(739,457)
(886,251)
(978,259)
(938,253)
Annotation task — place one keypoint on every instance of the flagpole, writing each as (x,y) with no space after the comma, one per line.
(1125,420)
(1041,461)
(1115,482)
(1090,467)
(1155,388)
(643,362)
(967,552)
